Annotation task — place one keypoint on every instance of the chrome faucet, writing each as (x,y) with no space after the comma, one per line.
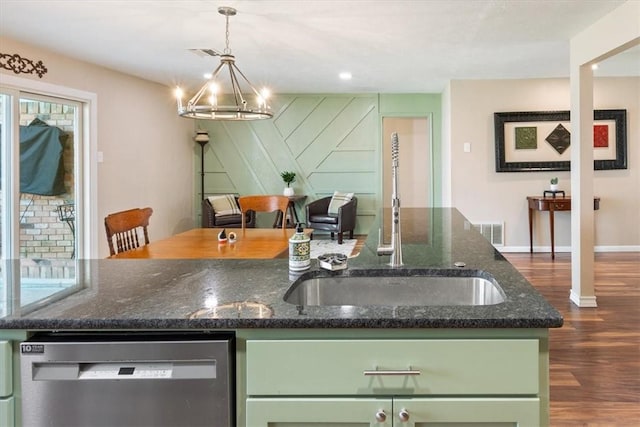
(395,248)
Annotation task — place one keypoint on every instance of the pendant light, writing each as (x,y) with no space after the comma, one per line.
(212,103)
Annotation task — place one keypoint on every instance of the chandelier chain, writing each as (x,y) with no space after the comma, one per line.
(227,50)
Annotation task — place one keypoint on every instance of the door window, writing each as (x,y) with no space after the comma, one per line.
(41,140)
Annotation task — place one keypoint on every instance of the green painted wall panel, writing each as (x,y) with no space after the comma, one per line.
(293,110)
(331,141)
(336,132)
(217,183)
(317,125)
(211,161)
(365,134)
(355,161)
(352,182)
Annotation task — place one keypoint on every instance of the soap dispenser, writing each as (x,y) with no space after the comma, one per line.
(299,250)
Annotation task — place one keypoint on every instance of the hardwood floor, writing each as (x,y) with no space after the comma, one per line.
(595,356)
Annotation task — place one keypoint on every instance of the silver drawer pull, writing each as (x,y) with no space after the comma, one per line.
(392,372)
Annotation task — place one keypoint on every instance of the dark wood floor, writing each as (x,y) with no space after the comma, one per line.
(595,356)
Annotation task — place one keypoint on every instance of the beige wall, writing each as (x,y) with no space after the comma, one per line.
(486,196)
(148,151)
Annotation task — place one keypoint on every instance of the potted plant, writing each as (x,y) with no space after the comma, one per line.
(288,177)
(554,184)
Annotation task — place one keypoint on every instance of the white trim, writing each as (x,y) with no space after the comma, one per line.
(536,249)
(583,301)
(89,157)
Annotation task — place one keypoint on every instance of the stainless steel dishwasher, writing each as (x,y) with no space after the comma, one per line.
(128,379)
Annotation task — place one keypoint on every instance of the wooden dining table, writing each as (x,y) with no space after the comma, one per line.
(201,243)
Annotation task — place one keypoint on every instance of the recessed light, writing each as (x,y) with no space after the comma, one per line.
(594,66)
(207,76)
(345,75)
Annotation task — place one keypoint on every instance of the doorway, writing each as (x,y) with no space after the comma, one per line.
(415,181)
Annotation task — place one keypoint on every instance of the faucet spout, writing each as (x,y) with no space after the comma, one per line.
(395,248)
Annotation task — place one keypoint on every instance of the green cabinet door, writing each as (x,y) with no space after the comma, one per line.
(6,412)
(6,379)
(319,412)
(466,412)
(393,412)
(6,385)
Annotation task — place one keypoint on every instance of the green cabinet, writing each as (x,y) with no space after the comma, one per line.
(394,382)
(6,385)
(393,412)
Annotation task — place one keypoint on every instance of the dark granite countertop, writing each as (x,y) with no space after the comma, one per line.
(163,294)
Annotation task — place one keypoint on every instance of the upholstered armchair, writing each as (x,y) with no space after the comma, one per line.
(338,221)
(225,218)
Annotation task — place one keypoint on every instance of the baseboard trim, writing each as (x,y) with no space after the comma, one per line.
(583,301)
(561,249)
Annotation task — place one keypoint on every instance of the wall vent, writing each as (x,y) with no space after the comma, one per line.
(492,231)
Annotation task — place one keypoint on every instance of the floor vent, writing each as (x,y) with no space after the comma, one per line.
(492,231)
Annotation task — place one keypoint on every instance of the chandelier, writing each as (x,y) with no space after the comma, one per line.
(211,103)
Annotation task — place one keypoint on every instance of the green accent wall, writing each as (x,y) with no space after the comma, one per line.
(331,141)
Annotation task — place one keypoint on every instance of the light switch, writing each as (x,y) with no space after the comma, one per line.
(100,157)
(467,147)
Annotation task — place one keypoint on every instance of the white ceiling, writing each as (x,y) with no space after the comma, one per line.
(296,46)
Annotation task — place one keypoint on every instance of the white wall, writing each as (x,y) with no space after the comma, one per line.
(485,195)
(148,150)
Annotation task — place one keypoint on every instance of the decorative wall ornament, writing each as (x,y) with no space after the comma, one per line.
(533,141)
(18,64)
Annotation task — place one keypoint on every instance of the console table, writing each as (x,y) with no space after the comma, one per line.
(292,217)
(551,204)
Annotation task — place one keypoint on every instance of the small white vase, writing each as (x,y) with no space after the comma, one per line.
(288,191)
(553,187)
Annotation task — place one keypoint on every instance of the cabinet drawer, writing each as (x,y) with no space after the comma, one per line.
(564,205)
(6,412)
(6,383)
(426,367)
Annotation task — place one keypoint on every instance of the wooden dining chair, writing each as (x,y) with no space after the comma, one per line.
(260,203)
(123,229)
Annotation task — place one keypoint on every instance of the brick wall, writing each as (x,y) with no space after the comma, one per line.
(42,234)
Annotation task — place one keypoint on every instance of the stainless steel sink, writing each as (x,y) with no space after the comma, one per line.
(395,290)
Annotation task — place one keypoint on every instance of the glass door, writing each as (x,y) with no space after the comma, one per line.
(41,139)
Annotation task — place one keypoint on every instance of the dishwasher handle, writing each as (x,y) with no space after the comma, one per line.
(122,370)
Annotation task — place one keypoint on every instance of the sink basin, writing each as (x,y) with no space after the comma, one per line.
(393,289)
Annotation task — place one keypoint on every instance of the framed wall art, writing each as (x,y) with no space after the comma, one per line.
(539,140)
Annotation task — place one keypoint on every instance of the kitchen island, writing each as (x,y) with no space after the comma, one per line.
(304,366)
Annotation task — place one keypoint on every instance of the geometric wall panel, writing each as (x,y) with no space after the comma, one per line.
(330,141)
